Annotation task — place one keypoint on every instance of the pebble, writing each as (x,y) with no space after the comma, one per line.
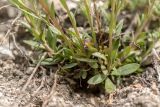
(12,13)
(6,53)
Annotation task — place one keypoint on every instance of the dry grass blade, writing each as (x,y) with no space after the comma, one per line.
(52,92)
(156,54)
(34,71)
(5,6)
(10,30)
(156,58)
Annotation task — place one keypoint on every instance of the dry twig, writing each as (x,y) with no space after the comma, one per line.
(21,51)
(5,6)
(36,91)
(11,27)
(45,102)
(34,71)
(41,85)
(156,58)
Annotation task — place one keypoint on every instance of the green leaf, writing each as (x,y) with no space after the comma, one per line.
(86,60)
(52,10)
(99,55)
(33,44)
(52,39)
(92,49)
(68,66)
(19,4)
(55,30)
(125,52)
(119,27)
(93,65)
(126,69)
(63,2)
(99,78)
(73,21)
(141,38)
(114,55)
(104,69)
(72,17)
(109,86)
(87,12)
(67,53)
(48,61)
(26,25)
(43,35)
(116,44)
(105,72)
(84,74)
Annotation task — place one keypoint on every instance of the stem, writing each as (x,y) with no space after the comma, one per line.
(112,24)
(97,17)
(111,29)
(73,22)
(90,19)
(148,16)
(98,20)
(48,48)
(55,22)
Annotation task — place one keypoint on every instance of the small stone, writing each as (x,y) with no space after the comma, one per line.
(1,94)
(12,12)
(1,76)
(29,70)
(6,53)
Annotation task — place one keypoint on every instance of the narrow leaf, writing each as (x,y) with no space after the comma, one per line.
(93,65)
(119,27)
(99,55)
(52,10)
(84,74)
(48,61)
(86,60)
(63,2)
(68,66)
(109,86)
(96,79)
(125,52)
(126,69)
(33,44)
(52,40)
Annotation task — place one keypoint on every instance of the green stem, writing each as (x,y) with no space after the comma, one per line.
(90,19)
(73,22)
(55,22)
(112,24)
(111,29)
(145,21)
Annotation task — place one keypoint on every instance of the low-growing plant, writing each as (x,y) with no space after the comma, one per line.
(103,53)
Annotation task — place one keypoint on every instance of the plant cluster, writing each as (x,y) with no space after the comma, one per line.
(104,52)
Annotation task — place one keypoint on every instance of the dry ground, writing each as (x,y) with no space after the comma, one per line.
(50,90)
